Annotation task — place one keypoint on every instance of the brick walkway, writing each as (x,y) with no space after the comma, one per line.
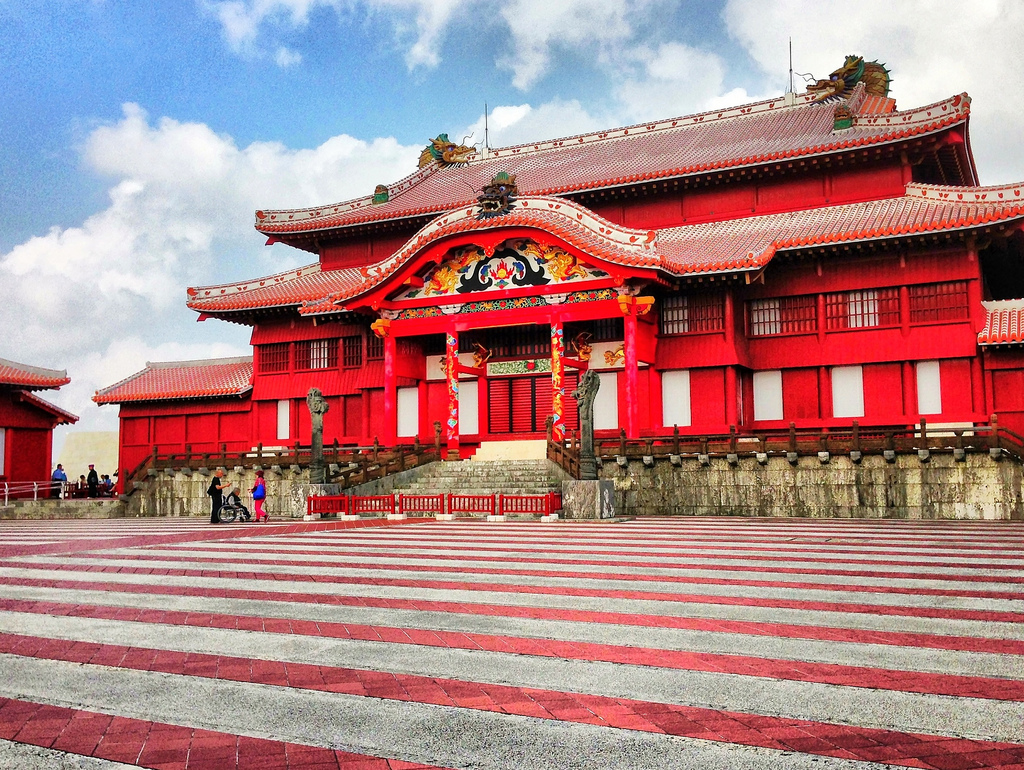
(689,643)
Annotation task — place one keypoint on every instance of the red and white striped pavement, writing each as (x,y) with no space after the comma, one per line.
(682,643)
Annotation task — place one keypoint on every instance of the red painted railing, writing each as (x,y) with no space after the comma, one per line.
(375,504)
(328,506)
(540,505)
(471,505)
(431,505)
(423,504)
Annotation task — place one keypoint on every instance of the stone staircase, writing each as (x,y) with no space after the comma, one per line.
(477,477)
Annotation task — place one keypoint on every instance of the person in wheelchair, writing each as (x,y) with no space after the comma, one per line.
(233,508)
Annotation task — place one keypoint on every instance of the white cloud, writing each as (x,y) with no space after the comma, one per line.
(286,57)
(522,123)
(934,50)
(180,213)
(420,25)
(540,27)
(675,79)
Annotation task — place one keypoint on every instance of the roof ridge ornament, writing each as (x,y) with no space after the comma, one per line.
(499,197)
(444,152)
(840,84)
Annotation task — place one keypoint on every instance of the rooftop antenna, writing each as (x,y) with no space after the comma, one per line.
(790,66)
(487,142)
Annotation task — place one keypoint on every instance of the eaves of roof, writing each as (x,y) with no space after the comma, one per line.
(175,380)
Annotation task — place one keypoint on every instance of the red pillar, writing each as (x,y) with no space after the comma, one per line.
(557,381)
(424,429)
(909,391)
(731,396)
(977,387)
(451,369)
(632,372)
(390,437)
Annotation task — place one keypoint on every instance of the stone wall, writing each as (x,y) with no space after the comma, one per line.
(63,509)
(167,493)
(980,487)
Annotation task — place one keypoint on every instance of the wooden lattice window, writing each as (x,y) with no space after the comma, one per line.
(374,347)
(938,302)
(316,354)
(862,309)
(274,358)
(352,351)
(783,315)
(514,341)
(693,314)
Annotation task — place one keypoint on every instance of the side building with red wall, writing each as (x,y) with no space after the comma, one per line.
(26,424)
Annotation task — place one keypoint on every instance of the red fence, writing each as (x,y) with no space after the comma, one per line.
(374,505)
(471,505)
(328,506)
(430,505)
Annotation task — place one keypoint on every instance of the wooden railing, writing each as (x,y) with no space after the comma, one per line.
(856,440)
(565,453)
(346,465)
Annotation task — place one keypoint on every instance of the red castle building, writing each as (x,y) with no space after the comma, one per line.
(26,425)
(817,258)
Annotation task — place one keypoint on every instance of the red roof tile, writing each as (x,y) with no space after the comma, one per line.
(281,290)
(31,377)
(751,242)
(725,246)
(64,417)
(182,379)
(753,134)
(1004,323)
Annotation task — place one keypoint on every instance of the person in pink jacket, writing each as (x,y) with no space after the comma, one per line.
(259,494)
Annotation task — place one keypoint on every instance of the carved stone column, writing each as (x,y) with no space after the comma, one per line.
(585,394)
(318,407)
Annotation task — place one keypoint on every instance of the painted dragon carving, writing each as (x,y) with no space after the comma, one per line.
(445,152)
(841,83)
(498,197)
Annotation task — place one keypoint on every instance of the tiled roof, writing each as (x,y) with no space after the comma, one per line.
(711,247)
(31,377)
(1004,323)
(281,290)
(764,132)
(182,379)
(63,416)
(751,242)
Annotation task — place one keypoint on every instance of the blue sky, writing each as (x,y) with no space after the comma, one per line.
(137,138)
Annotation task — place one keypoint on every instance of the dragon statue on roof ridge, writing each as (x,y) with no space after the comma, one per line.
(840,84)
(444,152)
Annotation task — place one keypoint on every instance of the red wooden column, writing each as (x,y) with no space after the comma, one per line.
(631,307)
(382,328)
(557,381)
(451,370)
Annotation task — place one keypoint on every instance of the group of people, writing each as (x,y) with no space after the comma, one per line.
(88,485)
(218,497)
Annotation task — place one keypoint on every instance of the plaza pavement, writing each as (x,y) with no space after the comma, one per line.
(683,643)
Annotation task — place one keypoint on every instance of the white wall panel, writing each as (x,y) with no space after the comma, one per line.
(469,407)
(284,422)
(675,398)
(929,388)
(847,391)
(768,395)
(606,405)
(408,412)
